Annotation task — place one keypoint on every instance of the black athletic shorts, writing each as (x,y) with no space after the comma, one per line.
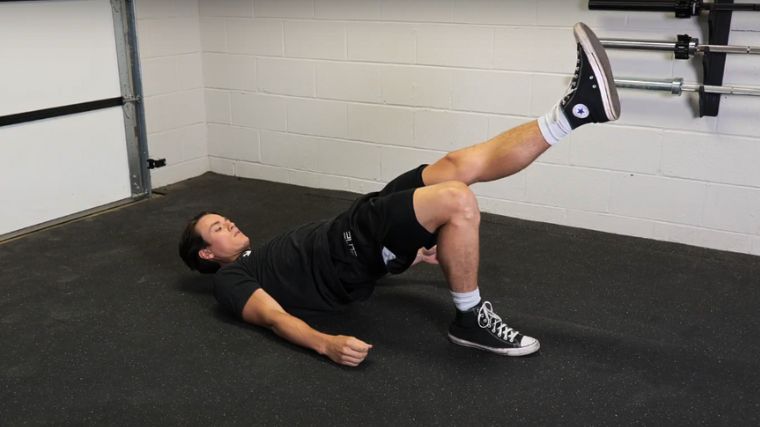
(383,219)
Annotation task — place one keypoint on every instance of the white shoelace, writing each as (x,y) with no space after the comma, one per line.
(576,76)
(487,319)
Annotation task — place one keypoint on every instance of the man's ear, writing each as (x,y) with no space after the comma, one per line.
(206,254)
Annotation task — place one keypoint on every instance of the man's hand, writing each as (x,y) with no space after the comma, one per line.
(345,350)
(428,256)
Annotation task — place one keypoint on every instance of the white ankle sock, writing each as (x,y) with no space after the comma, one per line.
(554,125)
(466,300)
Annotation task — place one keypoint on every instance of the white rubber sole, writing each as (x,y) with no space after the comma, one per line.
(522,351)
(597,57)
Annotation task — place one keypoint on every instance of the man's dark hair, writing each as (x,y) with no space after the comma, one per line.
(191,242)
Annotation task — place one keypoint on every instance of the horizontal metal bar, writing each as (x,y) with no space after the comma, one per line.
(666,46)
(649,6)
(65,110)
(673,86)
(747,50)
(638,44)
(676,86)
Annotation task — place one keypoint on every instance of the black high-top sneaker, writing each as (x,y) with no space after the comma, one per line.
(481,328)
(592,96)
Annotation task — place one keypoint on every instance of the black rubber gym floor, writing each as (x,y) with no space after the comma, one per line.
(101,324)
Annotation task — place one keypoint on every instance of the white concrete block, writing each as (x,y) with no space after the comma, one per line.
(217,106)
(234,143)
(738,115)
(317,180)
(350,82)
(225,71)
(213,35)
(318,117)
(193,140)
(491,92)
(654,21)
(745,21)
(448,131)
(258,111)
(230,8)
(565,13)
(286,76)
(222,166)
(618,148)
(654,109)
(732,208)
(498,12)
(147,9)
(186,9)
(381,42)
(658,198)
(283,9)
(520,210)
(165,145)
(742,70)
(386,125)
(499,124)
(348,9)
(512,188)
(548,50)
(690,70)
(263,172)
(547,90)
(179,172)
(363,186)
(568,187)
(417,86)
(720,159)
(313,39)
(417,11)
(159,75)
(172,36)
(254,37)
(702,237)
(189,71)
(558,154)
(396,160)
(455,45)
(610,223)
(165,112)
(321,155)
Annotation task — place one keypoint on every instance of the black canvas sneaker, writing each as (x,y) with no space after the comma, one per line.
(481,328)
(592,96)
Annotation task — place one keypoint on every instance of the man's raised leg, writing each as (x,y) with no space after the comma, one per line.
(591,98)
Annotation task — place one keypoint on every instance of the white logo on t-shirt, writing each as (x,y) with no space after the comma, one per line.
(246,253)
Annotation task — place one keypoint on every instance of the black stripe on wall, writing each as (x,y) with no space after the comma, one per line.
(47,113)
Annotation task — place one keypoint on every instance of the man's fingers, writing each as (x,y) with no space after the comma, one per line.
(351,361)
(358,345)
(349,352)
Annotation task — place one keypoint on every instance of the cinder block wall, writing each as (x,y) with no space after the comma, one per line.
(170,55)
(345,94)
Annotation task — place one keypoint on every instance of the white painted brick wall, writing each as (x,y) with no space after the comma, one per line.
(346,94)
(173,88)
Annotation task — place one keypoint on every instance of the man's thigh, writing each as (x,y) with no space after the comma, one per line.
(408,180)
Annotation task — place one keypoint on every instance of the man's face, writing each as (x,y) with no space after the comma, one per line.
(225,240)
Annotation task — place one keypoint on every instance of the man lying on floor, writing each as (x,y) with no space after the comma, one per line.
(428,214)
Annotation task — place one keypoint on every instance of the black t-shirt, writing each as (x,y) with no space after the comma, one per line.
(295,268)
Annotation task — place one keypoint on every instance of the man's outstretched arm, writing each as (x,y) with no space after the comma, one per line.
(262,310)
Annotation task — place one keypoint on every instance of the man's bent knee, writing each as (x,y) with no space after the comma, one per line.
(459,201)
